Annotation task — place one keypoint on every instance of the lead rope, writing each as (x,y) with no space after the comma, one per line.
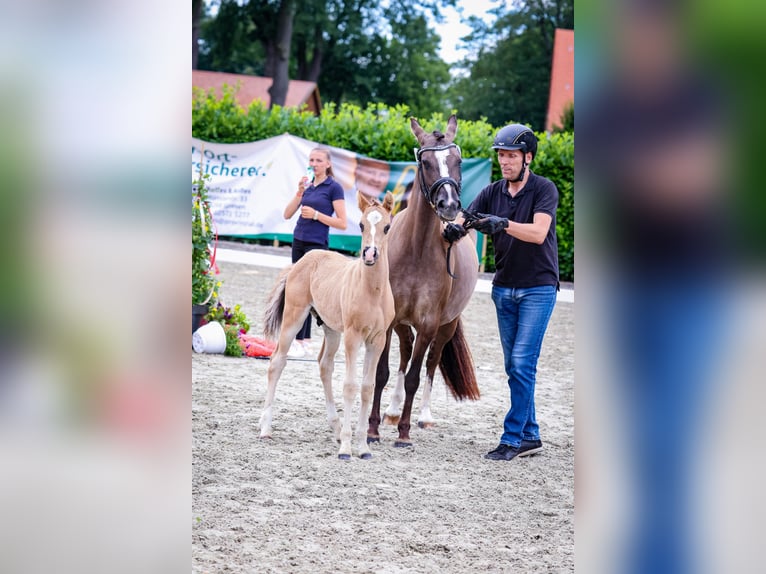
(449,250)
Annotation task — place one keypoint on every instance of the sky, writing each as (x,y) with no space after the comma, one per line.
(452,30)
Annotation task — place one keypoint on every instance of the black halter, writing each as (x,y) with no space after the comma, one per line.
(429,192)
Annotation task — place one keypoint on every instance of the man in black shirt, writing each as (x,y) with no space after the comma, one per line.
(519,211)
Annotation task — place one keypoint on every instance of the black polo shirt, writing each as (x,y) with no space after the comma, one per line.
(519,263)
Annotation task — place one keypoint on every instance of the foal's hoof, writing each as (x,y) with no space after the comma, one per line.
(402,444)
(344,456)
(426,425)
(366,456)
(372,439)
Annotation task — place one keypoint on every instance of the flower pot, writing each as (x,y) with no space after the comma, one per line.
(198,311)
(210,338)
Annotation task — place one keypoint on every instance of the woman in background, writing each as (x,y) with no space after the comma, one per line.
(322,205)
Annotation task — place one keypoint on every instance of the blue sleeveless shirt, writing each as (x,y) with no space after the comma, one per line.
(319,197)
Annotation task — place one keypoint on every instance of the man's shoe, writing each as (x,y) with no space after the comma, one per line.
(502,452)
(530,447)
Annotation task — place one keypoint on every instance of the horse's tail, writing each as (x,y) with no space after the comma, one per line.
(275,307)
(456,366)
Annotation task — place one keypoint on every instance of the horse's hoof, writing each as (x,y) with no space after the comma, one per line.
(372,439)
(402,444)
(344,456)
(391,420)
(266,437)
(426,425)
(366,456)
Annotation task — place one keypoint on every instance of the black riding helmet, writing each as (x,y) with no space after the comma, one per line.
(517,136)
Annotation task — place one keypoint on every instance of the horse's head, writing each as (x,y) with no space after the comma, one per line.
(439,170)
(375,223)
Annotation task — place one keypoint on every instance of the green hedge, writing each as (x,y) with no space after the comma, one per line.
(383,132)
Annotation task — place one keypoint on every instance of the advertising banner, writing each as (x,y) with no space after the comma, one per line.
(251,183)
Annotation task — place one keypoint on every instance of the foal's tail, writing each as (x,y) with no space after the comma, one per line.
(275,307)
(456,366)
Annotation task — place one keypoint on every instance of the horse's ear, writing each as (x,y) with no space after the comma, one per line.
(452,127)
(418,131)
(388,201)
(362,201)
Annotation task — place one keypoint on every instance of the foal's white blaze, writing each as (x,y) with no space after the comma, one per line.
(374,218)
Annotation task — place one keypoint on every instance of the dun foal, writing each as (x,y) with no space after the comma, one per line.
(349,297)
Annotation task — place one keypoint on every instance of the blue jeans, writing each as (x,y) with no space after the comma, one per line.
(669,336)
(522,317)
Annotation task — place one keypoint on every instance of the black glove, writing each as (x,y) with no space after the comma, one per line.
(453,231)
(490,224)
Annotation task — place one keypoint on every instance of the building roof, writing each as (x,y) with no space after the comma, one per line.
(562,77)
(257,88)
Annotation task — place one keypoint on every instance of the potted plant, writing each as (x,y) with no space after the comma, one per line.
(204,284)
(234,322)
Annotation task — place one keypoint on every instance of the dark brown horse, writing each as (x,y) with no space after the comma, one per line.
(431,283)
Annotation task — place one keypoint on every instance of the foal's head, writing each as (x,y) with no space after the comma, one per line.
(375,223)
(439,173)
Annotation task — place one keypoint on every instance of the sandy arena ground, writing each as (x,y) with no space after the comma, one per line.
(288,505)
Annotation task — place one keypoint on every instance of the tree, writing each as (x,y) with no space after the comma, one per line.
(197,8)
(566,123)
(509,80)
(356,50)
(278,49)
(398,63)
(227,41)
(417,75)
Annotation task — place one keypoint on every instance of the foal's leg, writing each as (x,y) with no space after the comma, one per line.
(444,334)
(373,349)
(394,410)
(352,340)
(292,320)
(326,364)
(381,378)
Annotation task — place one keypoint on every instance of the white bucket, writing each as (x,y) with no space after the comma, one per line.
(210,338)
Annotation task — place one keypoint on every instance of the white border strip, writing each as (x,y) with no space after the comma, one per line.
(280,262)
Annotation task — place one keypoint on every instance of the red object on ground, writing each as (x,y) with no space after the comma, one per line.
(253,346)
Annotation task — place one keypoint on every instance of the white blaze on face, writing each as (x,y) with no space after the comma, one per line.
(374,218)
(441,157)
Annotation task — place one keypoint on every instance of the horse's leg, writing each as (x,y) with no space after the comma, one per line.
(394,410)
(411,382)
(292,319)
(326,361)
(372,353)
(444,334)
(352,340)
(381,378)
